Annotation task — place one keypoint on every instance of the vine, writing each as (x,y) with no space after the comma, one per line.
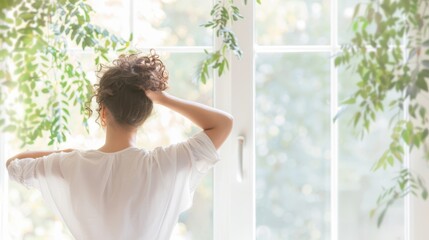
(35,64)
(224,14)
(389,53)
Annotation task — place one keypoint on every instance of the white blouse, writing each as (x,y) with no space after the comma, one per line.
(129,194)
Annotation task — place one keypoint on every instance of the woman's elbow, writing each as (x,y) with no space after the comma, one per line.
(229,122)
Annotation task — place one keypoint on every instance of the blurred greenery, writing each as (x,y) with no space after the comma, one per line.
(388,52)
(35,64)
(358,186)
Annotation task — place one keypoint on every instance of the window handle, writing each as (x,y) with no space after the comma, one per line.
(240,172)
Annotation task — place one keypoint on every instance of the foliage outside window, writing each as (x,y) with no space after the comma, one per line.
(224,13)
(389,53)
(35,36)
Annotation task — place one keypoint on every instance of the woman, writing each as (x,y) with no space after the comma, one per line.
(120,191)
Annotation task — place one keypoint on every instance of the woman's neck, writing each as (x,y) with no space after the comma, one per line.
(118,138)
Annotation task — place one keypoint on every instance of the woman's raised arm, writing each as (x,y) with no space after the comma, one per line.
(34,154)
(215,123)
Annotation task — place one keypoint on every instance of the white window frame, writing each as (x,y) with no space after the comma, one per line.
(234,200)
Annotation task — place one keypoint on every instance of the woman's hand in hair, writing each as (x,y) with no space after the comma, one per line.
(155,96)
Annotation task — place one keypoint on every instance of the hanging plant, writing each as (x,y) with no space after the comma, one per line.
(388,51)
(39,82)
(224,13)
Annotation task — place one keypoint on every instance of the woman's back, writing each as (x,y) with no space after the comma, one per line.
(130,194)
(120,191)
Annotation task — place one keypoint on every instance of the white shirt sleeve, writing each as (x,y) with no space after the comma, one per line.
(46,175)
(203,156)
(194,157)
(191,160)
(27,171)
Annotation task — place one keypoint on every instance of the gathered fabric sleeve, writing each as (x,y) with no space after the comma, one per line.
(28,171)
(201,154)
(193,159)
(46,175)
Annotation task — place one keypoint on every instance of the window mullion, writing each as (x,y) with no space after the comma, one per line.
(234,199)
(334,124)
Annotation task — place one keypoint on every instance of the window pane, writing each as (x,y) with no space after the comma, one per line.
(292,146)
(345,14)
(29,218)
(298,22)
(359,187)
(171,22)
(112,15)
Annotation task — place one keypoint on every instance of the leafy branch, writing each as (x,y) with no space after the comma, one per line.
(389,53)
(39,81)
(404,184)
(224,13)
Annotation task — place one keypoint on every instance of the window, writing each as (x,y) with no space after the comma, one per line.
(312,181)
(313,177)
(297,174)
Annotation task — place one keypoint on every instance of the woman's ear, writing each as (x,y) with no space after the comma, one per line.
(103,112)
(103,115)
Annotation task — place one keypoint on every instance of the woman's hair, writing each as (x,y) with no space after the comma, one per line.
(122,87)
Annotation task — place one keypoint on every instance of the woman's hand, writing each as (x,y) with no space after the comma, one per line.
(155,96)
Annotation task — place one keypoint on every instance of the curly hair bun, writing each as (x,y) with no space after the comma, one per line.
(144,72)
(122,86)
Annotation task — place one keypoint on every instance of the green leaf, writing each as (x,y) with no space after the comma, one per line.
(357,118)
(425,194)
(221,68)
(27,15)
(37,4)
(9,128)
(3,53)
(381,217)
(406,136)
(356,10)
(390,160)
(349,101)
(421,83)
(372,212)
(424,134)
(338,61)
